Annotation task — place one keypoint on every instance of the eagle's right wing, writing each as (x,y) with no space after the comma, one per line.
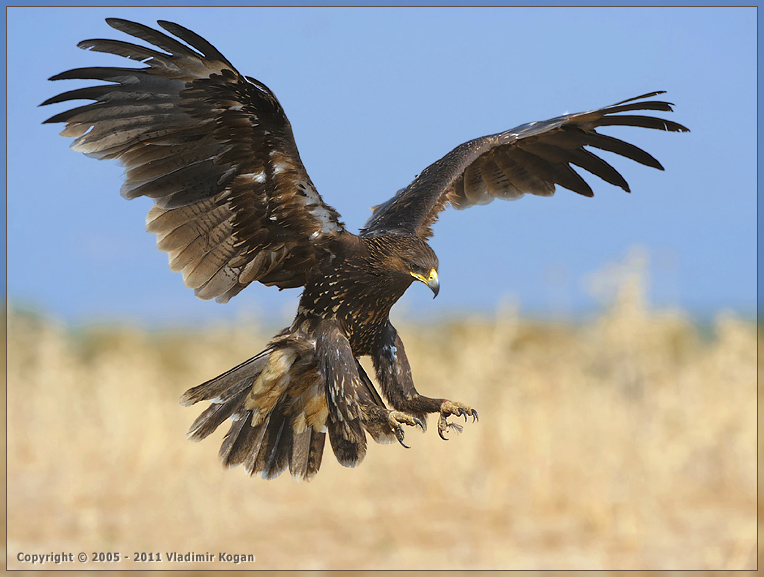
(214,150)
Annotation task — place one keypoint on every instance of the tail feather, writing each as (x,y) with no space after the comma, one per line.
(276,401)
(298,464)
(228,441)
(217,413)
(240,440)
(276,449)
(218,386)
(307,451)
(282,407)
(315,453)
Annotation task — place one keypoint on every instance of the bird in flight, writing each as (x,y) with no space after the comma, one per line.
(233,204)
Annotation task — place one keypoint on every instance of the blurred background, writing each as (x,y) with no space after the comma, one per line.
(609,344)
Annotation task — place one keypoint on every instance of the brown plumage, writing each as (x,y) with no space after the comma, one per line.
(234,205)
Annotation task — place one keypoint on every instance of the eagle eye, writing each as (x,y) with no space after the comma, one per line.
(415,267)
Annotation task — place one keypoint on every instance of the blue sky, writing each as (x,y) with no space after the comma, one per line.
(374,96)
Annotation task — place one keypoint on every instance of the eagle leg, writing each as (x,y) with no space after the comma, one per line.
(394,376)
(345,393)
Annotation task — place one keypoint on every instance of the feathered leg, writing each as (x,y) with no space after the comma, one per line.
(354,405)
(383,425)
(394,376)
(337,365)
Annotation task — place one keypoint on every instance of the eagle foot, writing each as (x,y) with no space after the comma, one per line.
(396,420)
(449,408)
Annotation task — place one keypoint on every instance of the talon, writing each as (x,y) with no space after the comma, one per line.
(397,419)
(458,410)
(399,434)
(463,413)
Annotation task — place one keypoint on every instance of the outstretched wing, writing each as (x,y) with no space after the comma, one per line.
(531,158)
(214,150)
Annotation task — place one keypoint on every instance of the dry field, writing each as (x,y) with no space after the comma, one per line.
(624,442)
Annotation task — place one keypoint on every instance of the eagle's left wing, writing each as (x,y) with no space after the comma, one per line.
(531,158)
(213,149)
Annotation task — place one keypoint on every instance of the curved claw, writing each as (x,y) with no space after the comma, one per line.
(419,422)
(463,413)
(458,410)
(399,435)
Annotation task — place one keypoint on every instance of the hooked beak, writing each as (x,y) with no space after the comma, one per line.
(431,281)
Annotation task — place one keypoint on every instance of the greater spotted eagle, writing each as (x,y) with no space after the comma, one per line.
(234,205)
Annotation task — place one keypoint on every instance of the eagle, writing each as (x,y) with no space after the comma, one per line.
(233,205)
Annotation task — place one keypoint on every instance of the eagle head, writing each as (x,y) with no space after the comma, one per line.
(408,258)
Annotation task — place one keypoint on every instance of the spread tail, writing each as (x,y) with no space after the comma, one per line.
(277,403)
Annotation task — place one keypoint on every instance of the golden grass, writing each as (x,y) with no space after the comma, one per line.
(626,442)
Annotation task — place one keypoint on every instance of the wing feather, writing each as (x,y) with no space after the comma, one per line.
(530,159)
(213,149)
